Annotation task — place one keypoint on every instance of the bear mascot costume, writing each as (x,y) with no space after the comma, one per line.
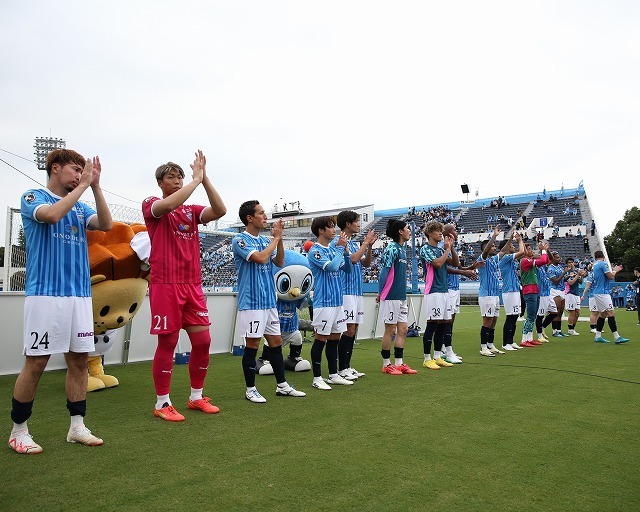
(118,287)
(294,283)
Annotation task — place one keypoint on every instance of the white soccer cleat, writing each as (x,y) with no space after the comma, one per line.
(337,379)
(496,350)
(356,372)
(321,384)
(347,374)
(509,348)
(487,352)
(83,435)
(255,397)
(289,391)
(22,442)
(515,346)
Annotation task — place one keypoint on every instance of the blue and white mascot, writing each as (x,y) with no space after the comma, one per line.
(294,283)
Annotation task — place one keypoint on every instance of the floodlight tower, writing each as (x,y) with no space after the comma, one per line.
(43,146)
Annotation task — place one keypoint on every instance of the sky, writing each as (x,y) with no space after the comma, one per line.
(334,104)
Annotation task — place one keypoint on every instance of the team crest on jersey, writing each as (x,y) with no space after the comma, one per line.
(148,199)
(242,244)
(189,215)
(30,197)
(317,256)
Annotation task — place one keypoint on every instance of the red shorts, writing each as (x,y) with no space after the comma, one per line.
(175,306)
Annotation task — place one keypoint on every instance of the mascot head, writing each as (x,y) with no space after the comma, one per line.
(294,280)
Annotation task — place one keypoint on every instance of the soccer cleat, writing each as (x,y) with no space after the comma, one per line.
(573,332)
(337,379)
(496,350)
(391,369)
(453,359)
(22,442)
(527,344)
(509,348)
(347,374)
(84,436)
(168,413)
(593,331)
(321,384)
(431,364)
(621,340)
(356,372)
(542,337)
(289,390)
(515,346)
(600,339)
(406,369)
(487,352)
(442,363)
(459,357)
(535,342)
(558,335)
(255,397)
(203,405)
(563,334)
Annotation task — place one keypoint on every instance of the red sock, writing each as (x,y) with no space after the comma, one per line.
(199,358)
(163,362)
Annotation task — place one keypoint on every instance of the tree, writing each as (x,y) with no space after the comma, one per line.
(623,244)
(22,239)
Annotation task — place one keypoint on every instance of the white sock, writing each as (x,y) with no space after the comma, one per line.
(19,426)
(616,335)
(398,361)
(437,354)
(196,394)
(317,379)
(448,350)
(77,421)
(427,357)
(386,362)
(483,346)
(283,384)
(252,388)
(161,400)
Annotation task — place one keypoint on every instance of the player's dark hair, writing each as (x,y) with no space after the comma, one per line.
(322,223)
(247,208)
(598,254)
(63,157)
(394,226)
(345,217)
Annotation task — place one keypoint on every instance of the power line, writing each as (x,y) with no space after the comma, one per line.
(34,180)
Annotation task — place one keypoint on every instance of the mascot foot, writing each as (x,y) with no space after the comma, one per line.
(263,367)
(109,380)
(94,384)
(296,364)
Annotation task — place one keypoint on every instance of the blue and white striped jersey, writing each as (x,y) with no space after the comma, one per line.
(256,289)
(57,257)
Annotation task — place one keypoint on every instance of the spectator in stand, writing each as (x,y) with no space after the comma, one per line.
(585,243)
(593,227)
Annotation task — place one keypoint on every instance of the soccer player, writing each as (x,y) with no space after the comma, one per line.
(352,300)
(175,286)
(544,292)
(529,266)
(556,272)
(572,297)
(254,254)
(588,293)
(392,286)
(511,298)
(453,282)
(489,294)
(329,322)
(602,276)
(58,316)
(434,259)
